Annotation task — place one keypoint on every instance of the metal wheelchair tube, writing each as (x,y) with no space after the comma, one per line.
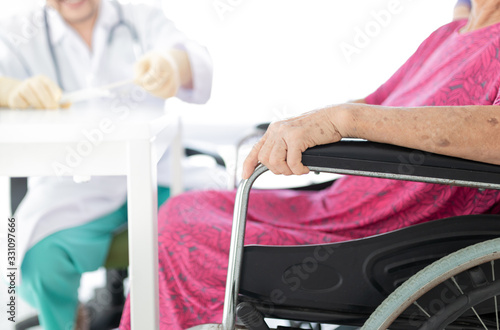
(406,177)
(236,249)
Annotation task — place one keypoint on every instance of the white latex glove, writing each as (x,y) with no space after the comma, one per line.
(38,92)
(158,74)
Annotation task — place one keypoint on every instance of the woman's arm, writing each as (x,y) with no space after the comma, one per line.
(471,132)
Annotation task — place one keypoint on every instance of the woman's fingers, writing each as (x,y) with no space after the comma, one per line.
(272,152)
(282,146)
(275,154)
(252,159)
(294,161)
(276,159)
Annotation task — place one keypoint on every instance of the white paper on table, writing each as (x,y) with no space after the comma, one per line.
(92,93)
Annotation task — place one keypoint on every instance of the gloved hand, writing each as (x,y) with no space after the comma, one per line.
(158,74)
(38,92)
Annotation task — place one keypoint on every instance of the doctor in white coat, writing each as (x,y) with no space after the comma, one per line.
(66,228)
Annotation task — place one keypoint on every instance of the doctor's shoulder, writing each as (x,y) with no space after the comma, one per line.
(23,28)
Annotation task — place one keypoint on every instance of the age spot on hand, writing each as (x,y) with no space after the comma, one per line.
(493,121)
(443,143)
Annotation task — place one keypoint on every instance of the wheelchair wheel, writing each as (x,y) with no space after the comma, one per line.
(456,292)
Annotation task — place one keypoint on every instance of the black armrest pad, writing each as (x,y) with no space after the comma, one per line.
(369,156)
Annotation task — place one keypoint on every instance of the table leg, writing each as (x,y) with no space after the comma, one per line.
(176,156)
(143,236)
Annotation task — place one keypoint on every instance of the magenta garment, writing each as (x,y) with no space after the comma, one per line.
(194,228)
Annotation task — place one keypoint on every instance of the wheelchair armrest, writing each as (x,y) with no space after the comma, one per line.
(361,157)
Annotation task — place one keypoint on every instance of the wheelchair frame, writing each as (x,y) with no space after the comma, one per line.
(359,157)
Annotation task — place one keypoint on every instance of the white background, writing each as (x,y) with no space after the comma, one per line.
(277,57)
(273,59)
(281,57)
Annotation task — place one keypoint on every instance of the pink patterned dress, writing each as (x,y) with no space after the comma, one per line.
(449,68)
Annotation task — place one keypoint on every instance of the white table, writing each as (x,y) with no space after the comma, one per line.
(134,138)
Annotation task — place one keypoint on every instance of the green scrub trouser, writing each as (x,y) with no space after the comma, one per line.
(52,268)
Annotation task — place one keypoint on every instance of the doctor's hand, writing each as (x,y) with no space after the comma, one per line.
(38,92)
(281,147)
(158,73)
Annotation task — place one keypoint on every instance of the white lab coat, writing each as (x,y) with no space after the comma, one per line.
(53,204)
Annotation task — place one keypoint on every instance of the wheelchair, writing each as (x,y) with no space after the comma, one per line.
(436,275)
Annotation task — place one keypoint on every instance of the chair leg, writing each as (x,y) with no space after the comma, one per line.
(251,317)
(106,307)
(28,323)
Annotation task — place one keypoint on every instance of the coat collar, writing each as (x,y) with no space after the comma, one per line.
(108,17)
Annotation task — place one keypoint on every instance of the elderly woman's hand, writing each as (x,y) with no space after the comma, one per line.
(280,149)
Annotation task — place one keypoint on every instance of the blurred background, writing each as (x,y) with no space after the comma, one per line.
(280,57)
(275,59)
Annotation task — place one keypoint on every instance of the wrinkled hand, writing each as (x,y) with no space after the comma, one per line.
(281,147)
(38,92)
(158,74)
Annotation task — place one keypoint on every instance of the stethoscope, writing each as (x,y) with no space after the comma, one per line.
(121,22)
